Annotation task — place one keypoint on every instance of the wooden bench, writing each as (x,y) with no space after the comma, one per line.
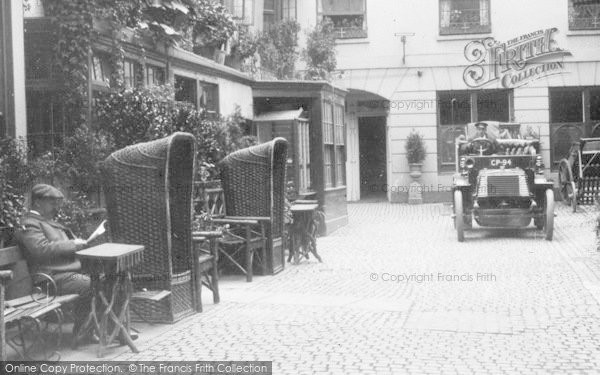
(26,297)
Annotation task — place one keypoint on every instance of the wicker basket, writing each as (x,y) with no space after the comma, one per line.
(148,190)
(253,181)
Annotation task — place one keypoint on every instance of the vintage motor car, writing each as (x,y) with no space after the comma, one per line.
(500,181)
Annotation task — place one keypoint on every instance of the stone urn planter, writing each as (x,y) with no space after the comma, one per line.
(415,153)
(415,170)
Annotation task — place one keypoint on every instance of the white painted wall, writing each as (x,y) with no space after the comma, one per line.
(232,94)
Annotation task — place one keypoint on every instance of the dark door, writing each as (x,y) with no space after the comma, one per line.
(372,150)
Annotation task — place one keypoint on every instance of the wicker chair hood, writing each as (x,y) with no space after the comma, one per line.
(148,189)
(254,181)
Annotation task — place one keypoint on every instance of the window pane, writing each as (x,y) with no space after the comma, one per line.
(328,158)
(493,106)
(338,120)
(185,90)
(448,135)
(464,16)
(248,11)
(328,123)
(562,137)
(269,5)
(584,14)
(566,106)
(343,6)
(289,10)
(209,97)
(595,105)
(454,108)
(340,170)
(155,75)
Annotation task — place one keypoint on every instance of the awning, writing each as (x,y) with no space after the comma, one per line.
(289,115)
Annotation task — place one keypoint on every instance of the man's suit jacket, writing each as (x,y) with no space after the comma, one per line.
(48,245)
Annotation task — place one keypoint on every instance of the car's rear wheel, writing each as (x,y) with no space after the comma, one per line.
(549,224)
(459,222)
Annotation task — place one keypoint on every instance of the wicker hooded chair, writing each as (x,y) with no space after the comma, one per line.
(148,190)
(254,186)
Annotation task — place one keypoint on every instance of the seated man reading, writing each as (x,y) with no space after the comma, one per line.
(50,248)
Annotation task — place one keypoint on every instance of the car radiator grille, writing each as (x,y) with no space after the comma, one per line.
(503,186)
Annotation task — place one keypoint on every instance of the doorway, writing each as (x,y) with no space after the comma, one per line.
(372,154)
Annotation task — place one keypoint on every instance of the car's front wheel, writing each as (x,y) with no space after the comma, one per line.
(459,222)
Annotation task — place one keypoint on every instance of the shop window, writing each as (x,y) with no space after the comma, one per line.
(458,108)
(348,17)
(584,14)
(155,75)
(566,105)
(574,114)
(242,10)
(185,90)
(464,17)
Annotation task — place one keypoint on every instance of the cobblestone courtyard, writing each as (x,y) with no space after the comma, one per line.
(398,294)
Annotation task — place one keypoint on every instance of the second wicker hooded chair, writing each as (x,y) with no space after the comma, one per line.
(254,186)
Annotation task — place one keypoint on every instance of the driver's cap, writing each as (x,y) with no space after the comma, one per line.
(481,125)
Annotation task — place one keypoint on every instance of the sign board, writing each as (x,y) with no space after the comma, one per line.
(515,62)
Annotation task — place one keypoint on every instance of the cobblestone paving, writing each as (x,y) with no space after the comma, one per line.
(398,294)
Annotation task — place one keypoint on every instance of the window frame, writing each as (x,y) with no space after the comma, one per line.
(194,100)
(132,73)
(459,128)
(578,23)
(342,33)
(583,128)
(100,65)
(464,30)
(148,76)
(334,144)
(231,6)
(212,88)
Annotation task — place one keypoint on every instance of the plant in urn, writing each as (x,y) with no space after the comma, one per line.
(415,153)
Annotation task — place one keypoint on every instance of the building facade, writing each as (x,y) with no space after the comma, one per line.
(435,65)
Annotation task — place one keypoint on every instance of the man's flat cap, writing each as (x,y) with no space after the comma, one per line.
(482,125)
(45,191)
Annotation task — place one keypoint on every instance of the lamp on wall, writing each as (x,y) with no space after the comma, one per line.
(403,40)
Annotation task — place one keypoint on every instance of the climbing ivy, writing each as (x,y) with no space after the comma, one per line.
(72,20)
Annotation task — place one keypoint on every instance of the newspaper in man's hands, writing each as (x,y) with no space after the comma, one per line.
(100,230)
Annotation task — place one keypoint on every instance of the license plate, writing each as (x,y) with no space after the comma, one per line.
(501,162)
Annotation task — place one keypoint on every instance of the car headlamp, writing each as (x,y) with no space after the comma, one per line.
(470,163)
(538,161)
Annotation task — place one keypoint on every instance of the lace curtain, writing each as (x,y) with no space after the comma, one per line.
(484,12)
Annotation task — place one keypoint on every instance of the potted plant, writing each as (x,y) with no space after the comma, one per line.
(212,28)
(415,153)
(244,46)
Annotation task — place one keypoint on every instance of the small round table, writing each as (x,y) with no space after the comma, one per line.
(304,231)
(109,266)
